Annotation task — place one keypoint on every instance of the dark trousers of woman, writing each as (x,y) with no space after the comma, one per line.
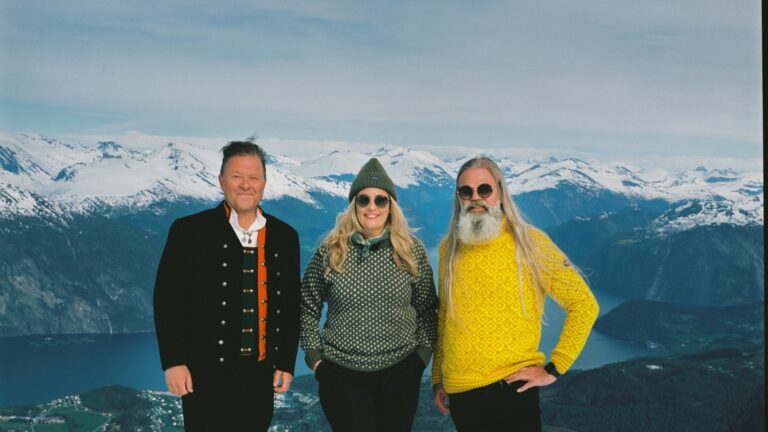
(240,399)
(496,407)
(379,401)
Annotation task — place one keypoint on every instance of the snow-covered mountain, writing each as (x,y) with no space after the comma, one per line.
(82,226)
(701,196)
(41,175)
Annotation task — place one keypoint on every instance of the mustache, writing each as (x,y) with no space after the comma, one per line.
(475,204)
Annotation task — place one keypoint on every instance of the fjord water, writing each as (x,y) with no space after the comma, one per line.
(36,369)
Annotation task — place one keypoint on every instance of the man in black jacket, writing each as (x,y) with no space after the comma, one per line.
(226,303)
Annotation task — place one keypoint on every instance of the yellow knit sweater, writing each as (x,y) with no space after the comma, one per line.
(491,334)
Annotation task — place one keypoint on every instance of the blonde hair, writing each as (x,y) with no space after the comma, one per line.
(337,243)
(527,254)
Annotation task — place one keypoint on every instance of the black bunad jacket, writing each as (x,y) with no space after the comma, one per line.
(198,295)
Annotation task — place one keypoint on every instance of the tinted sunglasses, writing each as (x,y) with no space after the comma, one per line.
(484,191)
(381,201)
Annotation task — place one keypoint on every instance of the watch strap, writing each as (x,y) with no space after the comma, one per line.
(552,370)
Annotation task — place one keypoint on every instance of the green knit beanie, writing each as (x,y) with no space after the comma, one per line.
(372,174)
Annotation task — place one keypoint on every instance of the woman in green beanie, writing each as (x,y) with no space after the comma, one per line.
(380,326)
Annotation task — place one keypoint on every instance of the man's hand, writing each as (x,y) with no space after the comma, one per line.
(535,376)
(441,399)
(281,381)
(179,380)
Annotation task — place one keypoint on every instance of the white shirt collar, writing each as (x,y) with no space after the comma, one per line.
(248,236)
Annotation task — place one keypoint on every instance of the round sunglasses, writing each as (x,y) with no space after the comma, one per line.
(465,192)
(381,201)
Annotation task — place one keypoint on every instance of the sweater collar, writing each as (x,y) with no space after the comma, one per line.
(371,243)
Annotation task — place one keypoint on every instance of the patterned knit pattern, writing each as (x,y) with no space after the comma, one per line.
(377,314)
(492,335)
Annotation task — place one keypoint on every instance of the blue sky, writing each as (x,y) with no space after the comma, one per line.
(638,81)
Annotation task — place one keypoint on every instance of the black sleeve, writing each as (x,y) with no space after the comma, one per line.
(169,300)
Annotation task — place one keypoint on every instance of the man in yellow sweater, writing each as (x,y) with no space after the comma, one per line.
(495,271)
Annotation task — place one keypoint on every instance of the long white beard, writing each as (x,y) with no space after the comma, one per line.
(477,229)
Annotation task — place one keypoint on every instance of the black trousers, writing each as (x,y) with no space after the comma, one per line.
(241,399)
(496,407)
(379,401)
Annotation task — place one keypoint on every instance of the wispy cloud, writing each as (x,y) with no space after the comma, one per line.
(621,76)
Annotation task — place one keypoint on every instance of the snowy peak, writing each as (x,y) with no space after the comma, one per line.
(698,183)
(68,173)
(40,171)
(703,196)
(692,213)
(702,175)
(15,161)
(171,172)
(405,167)
(719,185)
(532,176)
(53,155)
(184,158)
(413,167)
(713,197)
(337,162)
(716,175)
(334,172)
(113,150)
(16,201)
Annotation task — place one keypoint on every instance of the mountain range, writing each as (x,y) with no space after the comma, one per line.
(82,226)
(42,175)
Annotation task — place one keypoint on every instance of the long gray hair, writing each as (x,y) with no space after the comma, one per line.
(527,255)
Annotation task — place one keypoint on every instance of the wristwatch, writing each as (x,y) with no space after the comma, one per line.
(552,370)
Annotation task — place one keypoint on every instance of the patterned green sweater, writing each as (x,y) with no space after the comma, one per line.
(377,314)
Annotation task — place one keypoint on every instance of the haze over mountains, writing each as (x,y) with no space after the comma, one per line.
(81,228)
